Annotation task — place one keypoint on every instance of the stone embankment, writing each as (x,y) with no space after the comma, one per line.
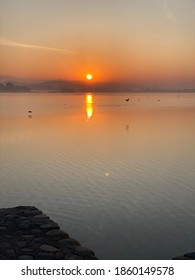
(28,234)
(187,256)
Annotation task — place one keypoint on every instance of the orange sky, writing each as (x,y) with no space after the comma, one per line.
(118,41)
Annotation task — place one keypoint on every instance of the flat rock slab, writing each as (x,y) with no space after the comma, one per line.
(28,234)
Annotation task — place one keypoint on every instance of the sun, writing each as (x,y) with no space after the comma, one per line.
(89,77)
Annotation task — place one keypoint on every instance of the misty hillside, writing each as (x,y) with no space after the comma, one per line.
(11,84)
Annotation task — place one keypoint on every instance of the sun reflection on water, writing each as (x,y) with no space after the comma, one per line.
(89,106)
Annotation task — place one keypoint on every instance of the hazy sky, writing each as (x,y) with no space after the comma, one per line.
(130,40)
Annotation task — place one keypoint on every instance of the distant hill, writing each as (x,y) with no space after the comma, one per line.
(26,85)
(78,86)
(18,81)
(57,85)
(10,87)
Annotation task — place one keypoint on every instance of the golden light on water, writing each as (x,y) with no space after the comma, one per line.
(89,106)
(89,99)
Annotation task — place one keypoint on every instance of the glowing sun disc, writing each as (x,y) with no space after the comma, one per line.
(89,77)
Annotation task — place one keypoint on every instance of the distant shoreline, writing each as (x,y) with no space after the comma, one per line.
(77,87)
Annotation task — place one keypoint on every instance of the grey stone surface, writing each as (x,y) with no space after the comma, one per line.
(6,236)
(36,231)
(181,258)
(23,225)
(48,248)
(27,234)
(46,256)
(10,253)
(25,257)
(49,226)
(21,244)
(57,232)
(83,251)
(32,212)
(68,242)
(190,255)
(41,216)
(40,240)
(2,229)
(74,257)
(186,256)
(4,245)
(27,250)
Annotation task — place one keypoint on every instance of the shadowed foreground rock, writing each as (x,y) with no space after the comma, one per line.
(187,256)
(28,234)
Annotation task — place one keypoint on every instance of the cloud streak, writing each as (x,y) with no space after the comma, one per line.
(5,42)
(169,14)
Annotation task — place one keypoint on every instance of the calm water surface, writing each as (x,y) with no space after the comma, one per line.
(116,175)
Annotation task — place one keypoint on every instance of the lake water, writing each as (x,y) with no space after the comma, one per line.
(116,175)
